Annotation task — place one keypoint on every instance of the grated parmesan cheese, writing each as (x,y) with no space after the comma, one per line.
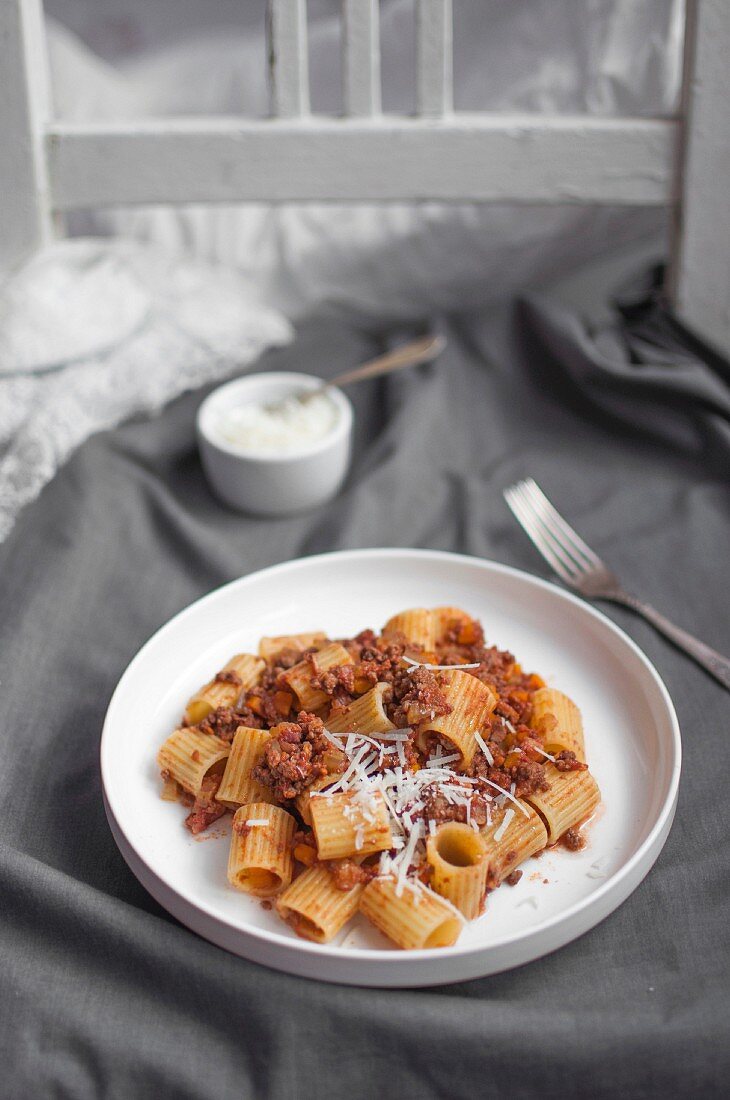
(290,427)
(508,794)
(483,746)
(438,668)
(405,795)
(542,751)
(504,825)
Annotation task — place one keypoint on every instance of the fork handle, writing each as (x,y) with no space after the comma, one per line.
(714,662)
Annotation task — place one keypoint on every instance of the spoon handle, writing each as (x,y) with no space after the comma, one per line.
(418,351)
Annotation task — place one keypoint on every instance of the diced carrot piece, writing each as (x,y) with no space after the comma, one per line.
(467,634)
(283,701)
(305,854)
(253,702)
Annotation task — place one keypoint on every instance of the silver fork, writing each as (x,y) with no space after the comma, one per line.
(580,568)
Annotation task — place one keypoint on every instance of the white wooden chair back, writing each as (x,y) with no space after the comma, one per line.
(49,166)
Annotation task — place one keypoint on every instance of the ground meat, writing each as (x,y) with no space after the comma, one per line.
(439,809)
(355,646)
(379,665)
(224,721)
(346,873)
(287,658)
(228,676)
(294,757)
(302,836)
(499,778)
(497,669)
(205,808)
(479,767)
(265,702)
(392,760)
(271,679)
(335,681)
(505,710)
(416,695)
(573,840)
(567,761)
(529,778)
(514,878)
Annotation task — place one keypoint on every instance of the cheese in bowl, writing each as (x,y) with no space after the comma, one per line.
(275,461)
(287,427)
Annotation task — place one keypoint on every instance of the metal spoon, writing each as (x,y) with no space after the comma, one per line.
(422,350)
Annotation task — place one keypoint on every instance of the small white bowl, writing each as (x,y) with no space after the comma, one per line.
(273,485)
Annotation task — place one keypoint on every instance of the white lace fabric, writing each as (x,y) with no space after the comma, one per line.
(94,331)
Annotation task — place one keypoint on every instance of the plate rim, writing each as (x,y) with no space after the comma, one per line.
(647,850)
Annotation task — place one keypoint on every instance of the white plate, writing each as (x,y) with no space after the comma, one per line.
(632,742)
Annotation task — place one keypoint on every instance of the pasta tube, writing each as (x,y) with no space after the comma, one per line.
(512,837)
(572,797)
(458,860)
(345,825)
(314,907)
(260,860)
(419,918)
(418,625)
(302,801)
(364,715)
(237,787)
(188,756)
(242,672)
(471,703)
(271,647)
(335,762)
(299,678)
(558,720)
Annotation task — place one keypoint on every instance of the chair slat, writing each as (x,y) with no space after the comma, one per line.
(700,281)
(434,22)
(25,218)
(479,158)
(286,26)
(361,57)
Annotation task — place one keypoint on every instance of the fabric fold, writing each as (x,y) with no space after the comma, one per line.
(641,366)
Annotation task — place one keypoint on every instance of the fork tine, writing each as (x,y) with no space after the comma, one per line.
(559,544)
(526,521)
(570,563)
(552,515)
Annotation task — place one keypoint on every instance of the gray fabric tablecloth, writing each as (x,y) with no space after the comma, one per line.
(103,994)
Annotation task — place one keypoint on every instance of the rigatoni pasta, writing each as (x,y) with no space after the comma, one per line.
(570,798)
(416,919)
(558,720)
(470,702)
(242,672)
(270,648)
(300,677)
(458,861)
(237,786)
(315,907)
(260,859)
(346,825)
(365,714)
(188,756)
(417,625)
(402,776)
(514,833)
